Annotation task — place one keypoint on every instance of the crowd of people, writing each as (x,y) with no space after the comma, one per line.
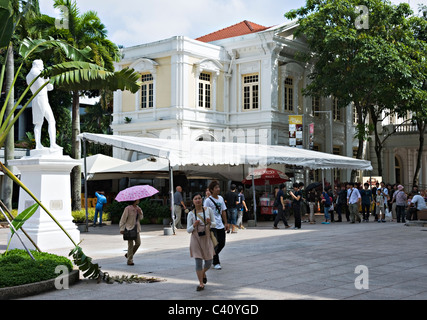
(212,215)
(361,203)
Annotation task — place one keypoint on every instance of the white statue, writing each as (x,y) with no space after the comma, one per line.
(41,107)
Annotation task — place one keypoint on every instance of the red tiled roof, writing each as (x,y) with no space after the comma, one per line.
(239,29)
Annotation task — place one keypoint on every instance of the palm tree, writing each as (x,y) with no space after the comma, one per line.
(30,9)
(84,30)
(78,73)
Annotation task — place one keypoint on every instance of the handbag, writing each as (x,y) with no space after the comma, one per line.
(131,234)
(213,237)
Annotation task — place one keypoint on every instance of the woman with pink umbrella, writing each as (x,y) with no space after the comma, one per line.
(130,225)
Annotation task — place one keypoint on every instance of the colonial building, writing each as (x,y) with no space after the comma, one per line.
(240,84)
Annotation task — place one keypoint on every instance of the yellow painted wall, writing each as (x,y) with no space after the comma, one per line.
(220,92)
(163,83)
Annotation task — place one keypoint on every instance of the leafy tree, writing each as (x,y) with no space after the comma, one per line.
(416,99)
(365,64)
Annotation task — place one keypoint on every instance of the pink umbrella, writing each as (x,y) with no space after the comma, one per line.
(135,193)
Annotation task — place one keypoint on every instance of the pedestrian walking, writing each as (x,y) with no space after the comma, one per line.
(100,201)
(341,202)
(296,204)
(367,199)
(232,201)
(400,198)
(311,197)
(131,219)
(380,201)
(281,203)
(353,201)
(242,208)
(200,221)
(178,204)
(217,204)
(327,202)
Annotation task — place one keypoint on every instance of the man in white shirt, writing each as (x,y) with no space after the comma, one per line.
(217,204)
(417,204)
(353,202)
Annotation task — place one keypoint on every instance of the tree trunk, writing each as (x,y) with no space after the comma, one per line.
(76,179)
(9,146)
(377,143)
(421,128)
(360,136)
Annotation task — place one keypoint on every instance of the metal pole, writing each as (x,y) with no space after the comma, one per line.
(85,184)
(171,201)
(17,234)
(253,192)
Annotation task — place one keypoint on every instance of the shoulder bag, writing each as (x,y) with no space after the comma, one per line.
(133,233)
(213,238)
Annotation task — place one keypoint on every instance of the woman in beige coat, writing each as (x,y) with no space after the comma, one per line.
(199,222)
(131,216)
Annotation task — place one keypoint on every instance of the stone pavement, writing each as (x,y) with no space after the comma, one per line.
(316,262)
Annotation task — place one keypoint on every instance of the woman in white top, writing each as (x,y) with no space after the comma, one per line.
(199,223)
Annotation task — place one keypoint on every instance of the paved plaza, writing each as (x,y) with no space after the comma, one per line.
(362,261)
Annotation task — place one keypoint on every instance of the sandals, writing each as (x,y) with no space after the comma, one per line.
(200,288)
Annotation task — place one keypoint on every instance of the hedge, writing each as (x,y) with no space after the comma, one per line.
(17,267)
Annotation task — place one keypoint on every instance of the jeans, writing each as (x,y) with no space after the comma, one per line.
(98,210)
(232,216)
(326,211)
(220,236)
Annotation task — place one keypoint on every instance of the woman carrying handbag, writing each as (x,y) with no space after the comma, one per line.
(199,223)
(130,227)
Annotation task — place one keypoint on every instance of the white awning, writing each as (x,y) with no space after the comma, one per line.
(98,163)
(185,152)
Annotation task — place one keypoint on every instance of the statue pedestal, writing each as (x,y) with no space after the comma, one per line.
(46,173)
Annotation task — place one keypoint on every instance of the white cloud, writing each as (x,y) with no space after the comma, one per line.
(133,22)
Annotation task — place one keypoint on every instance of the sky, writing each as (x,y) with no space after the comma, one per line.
(134,22)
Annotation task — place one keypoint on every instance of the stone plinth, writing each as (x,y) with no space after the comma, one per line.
(46,173)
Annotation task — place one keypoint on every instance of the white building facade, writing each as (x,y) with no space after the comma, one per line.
(241,89)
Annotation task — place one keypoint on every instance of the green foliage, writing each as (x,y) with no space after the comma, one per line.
(151,209)
(89,269)
(17,268)
(80,215)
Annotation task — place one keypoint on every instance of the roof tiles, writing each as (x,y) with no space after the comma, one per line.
(239,29)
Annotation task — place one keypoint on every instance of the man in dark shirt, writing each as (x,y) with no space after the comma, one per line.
(296,195)
(232,200)
(281,203)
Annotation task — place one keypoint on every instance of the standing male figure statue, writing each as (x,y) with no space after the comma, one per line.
(41,107)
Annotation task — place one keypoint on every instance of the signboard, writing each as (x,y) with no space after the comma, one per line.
(373,181)
(295,131)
